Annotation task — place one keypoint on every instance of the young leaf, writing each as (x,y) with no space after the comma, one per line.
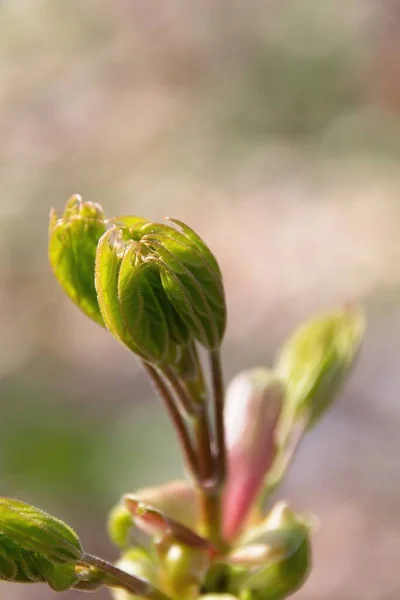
(193,283)
(60,577)
(32,529)
(315,362)
(253,404)
(142,306)
(120,522)
(109,255)
(157,524)
(72,249)
(288,556)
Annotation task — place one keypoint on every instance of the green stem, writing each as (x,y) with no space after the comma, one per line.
(176,418)
(130,583)
(218,401)
(186,404)
(192,393)
(284,459)
(194,390)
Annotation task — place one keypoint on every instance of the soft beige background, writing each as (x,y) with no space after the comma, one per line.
(272,128)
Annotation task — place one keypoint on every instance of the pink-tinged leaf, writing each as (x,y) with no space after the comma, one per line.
(253,405)
(177,499)
(158,525)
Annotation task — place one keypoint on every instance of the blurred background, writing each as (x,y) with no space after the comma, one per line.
(271,127)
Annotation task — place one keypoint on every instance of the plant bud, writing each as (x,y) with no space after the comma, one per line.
(155,523)
(177,499)
(185,568)
(286,539)
(193,282)
(18,565)
(158,288)
(315,362)
(72,249)
(138,563)
(36,531)
(59,577)
(132,301)
(252,408)
(120,522)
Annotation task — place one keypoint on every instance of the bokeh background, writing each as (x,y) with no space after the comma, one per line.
(273,128)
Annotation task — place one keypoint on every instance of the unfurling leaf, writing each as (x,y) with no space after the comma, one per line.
(73,240)
(253,404)
(158,289)
(287,559)
(24,566)
(155,523)
(315,362)
(59,577)
(177,499)
(34,530)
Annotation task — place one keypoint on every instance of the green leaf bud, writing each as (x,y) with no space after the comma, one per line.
(60,577)
(145,308)
(138,563)
(36,531)
(287,556)
(315,362)
(185,568)
(120,522)
(193,282)
(133,303)
(72,249)
(158,289)
(18,565)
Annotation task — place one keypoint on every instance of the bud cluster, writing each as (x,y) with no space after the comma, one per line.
(155,286)
(158,289)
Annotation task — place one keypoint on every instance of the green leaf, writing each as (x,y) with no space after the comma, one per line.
(72,249)
(36,531)
(200,245)
(60,577)
(316,361)
(24,566)
(132,301)
(120,522)
(17,564)
(144,307)
(286,540)
(109,254)
(193,285)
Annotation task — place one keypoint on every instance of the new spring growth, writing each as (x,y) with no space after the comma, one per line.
(73,239)
(36,547)
(159,287)
(37,531)
(315,362)
(254,401)
(278,553)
